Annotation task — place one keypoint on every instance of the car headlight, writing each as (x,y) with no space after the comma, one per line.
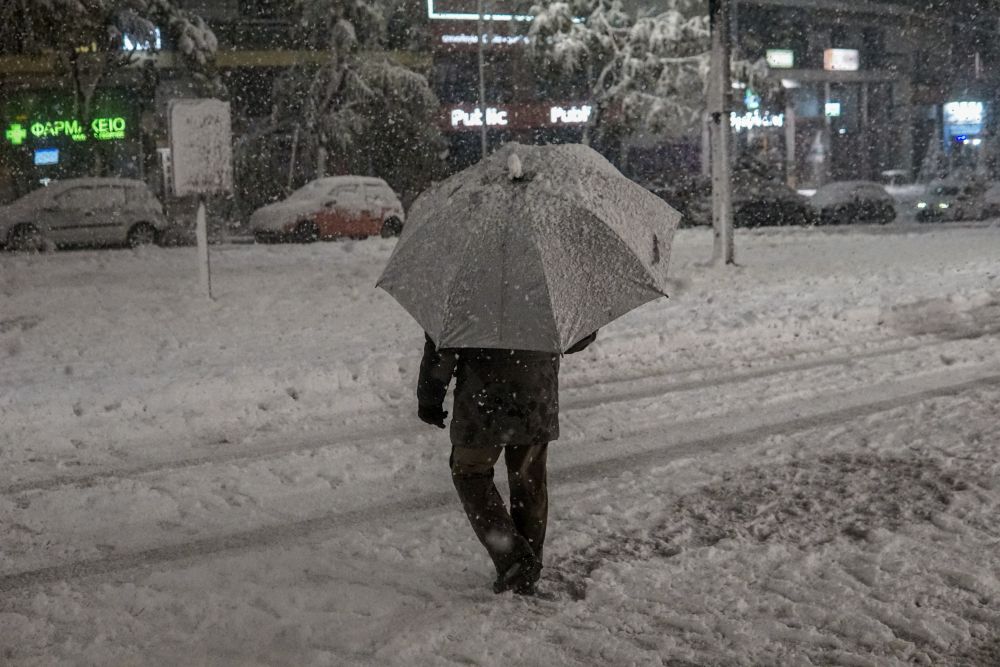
(943,204)
(921,204)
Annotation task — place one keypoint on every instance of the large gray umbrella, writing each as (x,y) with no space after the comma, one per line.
(531,249)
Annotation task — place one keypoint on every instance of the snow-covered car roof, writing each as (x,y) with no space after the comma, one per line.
(843,191)
(91,181)
(55,187)
(764,189)
(321,186)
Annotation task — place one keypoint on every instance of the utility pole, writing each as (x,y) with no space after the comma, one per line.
(483,144)
(791,161)
(719,105)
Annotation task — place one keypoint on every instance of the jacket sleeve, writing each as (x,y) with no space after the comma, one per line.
(436,369)
(582,344)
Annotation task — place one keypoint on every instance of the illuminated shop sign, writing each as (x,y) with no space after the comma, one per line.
(780,58)
(16,134)
(466,10)
(755,119)
(58,128)
(502,11)
(501,40)
(101,129)
(751,100)
(963,113)
(106,129)
(45,156)
(831,109)
(130,44)
(474,118)
(841,60)
(571,115)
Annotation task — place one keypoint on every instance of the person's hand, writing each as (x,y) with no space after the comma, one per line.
(432,414)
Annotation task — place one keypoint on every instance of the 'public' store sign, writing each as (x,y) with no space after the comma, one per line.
(101,129)
(475,118)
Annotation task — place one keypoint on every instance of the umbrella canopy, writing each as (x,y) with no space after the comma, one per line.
(532,248)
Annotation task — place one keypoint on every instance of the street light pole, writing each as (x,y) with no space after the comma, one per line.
(719,103)
(482,80)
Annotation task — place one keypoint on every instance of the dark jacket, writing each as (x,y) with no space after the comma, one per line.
(502,397)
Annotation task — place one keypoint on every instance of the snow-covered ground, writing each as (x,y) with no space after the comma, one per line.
(789,462)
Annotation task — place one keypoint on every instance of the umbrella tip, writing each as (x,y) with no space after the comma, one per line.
(514,168)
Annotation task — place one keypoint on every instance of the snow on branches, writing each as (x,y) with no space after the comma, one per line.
(93,38)
(648,70)
(358,107)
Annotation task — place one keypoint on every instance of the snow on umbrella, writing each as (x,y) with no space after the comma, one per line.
(531,249)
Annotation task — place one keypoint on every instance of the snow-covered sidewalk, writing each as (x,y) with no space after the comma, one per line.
(789,462)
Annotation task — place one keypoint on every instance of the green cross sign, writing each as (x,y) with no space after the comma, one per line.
(16,134)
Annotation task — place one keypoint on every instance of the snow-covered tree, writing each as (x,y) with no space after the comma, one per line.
(359,111)
(644,71)
(93,39)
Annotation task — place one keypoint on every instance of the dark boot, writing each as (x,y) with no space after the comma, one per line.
(520,577)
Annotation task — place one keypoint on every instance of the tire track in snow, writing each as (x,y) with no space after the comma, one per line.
(850,406)
(814,352)
(401,427)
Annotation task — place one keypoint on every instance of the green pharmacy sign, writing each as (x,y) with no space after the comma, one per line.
(106,129)
(101,129)
(16,134)
(58,128)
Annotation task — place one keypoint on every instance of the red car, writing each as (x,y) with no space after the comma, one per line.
(332,207)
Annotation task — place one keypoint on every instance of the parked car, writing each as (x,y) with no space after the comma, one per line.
(757,201)
(83,211)
(845,202)
(336,206)
(953,199)
(760,202)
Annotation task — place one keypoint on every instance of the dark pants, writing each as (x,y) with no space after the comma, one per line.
(507,536)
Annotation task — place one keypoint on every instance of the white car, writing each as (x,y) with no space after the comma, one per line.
(79,211)
(336,206)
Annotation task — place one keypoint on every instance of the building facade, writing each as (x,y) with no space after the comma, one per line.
(43,137)
(523,100)
(853,90)
(872,90)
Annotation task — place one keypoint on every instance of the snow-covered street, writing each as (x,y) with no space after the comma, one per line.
(791,462)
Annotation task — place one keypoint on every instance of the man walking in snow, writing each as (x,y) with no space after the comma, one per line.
(506,401)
